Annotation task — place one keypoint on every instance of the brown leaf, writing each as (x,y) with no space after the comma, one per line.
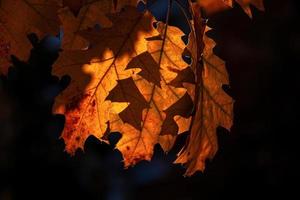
(213,107)
(150,69)
(184,76)
(183,107)
(126,91)
(108,5)
(74,5)
(90,15)
(19,18)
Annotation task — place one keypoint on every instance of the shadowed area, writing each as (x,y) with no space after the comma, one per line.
(258,159)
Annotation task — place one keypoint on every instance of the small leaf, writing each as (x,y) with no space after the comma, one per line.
(126,91)
(149,68)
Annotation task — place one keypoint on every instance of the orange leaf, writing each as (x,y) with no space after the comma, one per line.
(213,106)
(136,82)
(96,72)
(159,67)
(132,86)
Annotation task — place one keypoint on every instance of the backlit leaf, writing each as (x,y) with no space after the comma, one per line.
(133,80)
(96,72)
(213,108)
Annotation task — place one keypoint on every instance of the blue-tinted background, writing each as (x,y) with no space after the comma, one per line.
(257,159)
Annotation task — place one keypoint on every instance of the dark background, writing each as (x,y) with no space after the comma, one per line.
(258,158)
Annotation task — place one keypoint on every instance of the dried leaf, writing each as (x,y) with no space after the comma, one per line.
(164,101)
(139,85)
(213,106)
(128,75)
(95,73)
(132,67)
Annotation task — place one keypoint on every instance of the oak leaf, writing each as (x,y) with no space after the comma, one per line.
(213,106)
(130,74)
(136,82)
(164,101)
(84,102)
(131,65)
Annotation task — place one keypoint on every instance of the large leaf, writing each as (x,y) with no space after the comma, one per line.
(130,73)
(132,86)
(133,80)
(96,72)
